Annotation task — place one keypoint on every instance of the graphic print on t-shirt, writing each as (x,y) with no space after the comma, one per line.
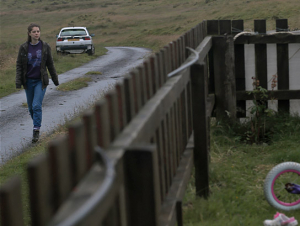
(36,60)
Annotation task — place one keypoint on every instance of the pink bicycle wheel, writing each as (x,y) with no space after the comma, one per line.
(275,186)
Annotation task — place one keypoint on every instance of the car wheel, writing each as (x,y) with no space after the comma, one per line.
(91,51)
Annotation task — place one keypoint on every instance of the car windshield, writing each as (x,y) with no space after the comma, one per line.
(72,32)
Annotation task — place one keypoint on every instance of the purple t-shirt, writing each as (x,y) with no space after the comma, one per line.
(34,61)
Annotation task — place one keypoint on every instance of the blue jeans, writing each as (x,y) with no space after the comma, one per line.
(35,95)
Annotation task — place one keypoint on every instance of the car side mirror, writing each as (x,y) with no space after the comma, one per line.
(92,35)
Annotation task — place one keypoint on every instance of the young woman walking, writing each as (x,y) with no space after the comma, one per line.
(33,58)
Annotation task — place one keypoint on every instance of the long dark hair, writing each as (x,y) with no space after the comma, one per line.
(29,29)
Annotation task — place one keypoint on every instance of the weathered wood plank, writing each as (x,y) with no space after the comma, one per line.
(167,62)
(167,148)
(136,90)
(141,168)
(180,51)
(121,103)
(180,124)
(224,77)
(11,213)
(237,26)
(163,66)
(204,48)
(162,163)
(102,123)
(40,192)
(172,58)
(77,152)
(184,114)
(189,108)
(159,63)
(200,125)
(61,181)
(212,27)
(225,27)
(89,120)
(211,82)
(148,79)
(240,72)
(177,133)
(279,38)
(169,213)
(283,66)
(143,85)
(173,139)
(186,44)
(193,36)
(154,73)
(113,113)
(261,69)
(211,104)
(129,97)
(176,52)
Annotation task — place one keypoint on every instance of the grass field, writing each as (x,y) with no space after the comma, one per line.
(237,170)
(150,24)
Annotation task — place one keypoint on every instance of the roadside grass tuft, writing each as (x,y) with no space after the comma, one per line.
(74,84)
(93,73)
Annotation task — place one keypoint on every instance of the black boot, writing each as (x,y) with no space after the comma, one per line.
(36,135)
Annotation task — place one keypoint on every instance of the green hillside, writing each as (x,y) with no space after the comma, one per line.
(150,24)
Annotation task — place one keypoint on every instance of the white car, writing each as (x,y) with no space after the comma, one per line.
(74,40)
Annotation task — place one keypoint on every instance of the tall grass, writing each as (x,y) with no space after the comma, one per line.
(237,173)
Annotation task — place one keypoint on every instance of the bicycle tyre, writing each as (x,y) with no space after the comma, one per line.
(275,194)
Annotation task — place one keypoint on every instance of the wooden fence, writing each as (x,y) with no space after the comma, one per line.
(130,158)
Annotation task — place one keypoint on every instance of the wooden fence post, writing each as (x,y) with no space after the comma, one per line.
(42,205)
(90,136)
(142,185)
(103,124)
(113,113)
(225,27)
(11,203)
(129,97)
(201,131)
(261,69)
(212,28)
(224,74)
(77,154)
(239,53)
(283,66)
(60,168)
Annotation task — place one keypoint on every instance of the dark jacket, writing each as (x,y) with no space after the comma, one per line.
(47,61)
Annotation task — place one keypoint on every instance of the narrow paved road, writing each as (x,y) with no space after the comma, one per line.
(15,122)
